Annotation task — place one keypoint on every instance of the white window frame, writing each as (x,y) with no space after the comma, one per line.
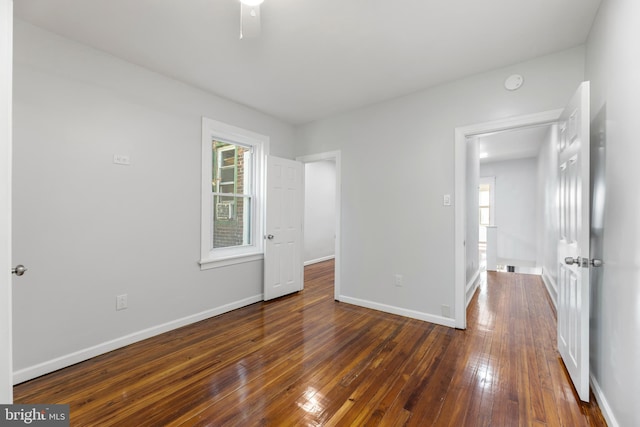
(220,257)
(491,182)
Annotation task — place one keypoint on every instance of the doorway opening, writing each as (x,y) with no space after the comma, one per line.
(467,164)
(321,235)
(514,167)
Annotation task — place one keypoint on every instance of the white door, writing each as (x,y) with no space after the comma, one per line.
(6,367)
(573,246)
(283,232)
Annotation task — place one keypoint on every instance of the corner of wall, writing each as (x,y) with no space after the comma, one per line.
(605,408)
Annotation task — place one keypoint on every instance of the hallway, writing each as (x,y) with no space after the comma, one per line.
(514,369)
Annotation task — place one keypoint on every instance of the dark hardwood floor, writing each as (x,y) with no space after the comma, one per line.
(307,360)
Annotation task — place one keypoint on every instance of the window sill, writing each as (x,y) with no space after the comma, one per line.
(209,263)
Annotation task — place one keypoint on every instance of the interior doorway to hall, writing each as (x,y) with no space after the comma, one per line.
(514,199)
(319,211)
(322,184)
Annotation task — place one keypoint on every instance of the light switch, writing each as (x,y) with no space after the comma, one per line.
(121,159)
(446,200)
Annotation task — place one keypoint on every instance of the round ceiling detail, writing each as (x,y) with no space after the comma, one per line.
(513,82)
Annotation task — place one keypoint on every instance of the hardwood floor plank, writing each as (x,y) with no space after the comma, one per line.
(331,365)
(469,387)
(305,359)
(379,412)
(407,399)
(378,381)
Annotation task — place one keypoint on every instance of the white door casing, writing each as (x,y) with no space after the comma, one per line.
(573,244)
(6,42)
(283,273)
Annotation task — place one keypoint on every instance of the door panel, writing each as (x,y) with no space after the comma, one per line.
(6,375)
(573,244)
(283,240)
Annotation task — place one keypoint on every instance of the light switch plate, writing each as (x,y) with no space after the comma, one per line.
(121,159)
(446,200)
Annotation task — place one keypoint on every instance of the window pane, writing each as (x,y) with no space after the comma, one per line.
(484,198)
(245,167)
(484,216)
(227,157)
(231,221)
(232,167)
(227,175)
(226,188)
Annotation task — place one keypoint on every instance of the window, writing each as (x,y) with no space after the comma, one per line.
(232,167)
(485,218)
(232,190)
(486,206)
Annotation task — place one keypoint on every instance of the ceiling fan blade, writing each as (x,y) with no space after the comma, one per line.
(249,21)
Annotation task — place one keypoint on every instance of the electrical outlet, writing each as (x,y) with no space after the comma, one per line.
(121,302)
(397,280)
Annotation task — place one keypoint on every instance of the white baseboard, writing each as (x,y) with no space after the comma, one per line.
(552,289)
(43,368)
(440,320)
(607,413)
(317,260)
(471,287)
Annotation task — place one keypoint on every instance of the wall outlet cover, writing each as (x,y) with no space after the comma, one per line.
(397,280)
(121,302)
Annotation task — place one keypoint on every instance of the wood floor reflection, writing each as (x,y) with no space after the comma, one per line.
(308,360)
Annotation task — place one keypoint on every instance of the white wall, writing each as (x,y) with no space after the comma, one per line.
(473,219)
(516,204)
(90,230)
(398,161)
(547,211)
(319,210)
(613,67)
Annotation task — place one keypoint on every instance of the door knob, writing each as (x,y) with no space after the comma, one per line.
(270,237)
(596,262)
(580,262)
(19,270)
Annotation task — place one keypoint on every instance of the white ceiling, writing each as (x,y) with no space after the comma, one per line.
(513,144)
(316,58)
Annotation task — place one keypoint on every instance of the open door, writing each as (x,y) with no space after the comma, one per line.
(573,245)
(6,41)
(283,273)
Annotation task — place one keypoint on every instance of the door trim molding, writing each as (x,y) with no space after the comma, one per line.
(336,156)
(461,135)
